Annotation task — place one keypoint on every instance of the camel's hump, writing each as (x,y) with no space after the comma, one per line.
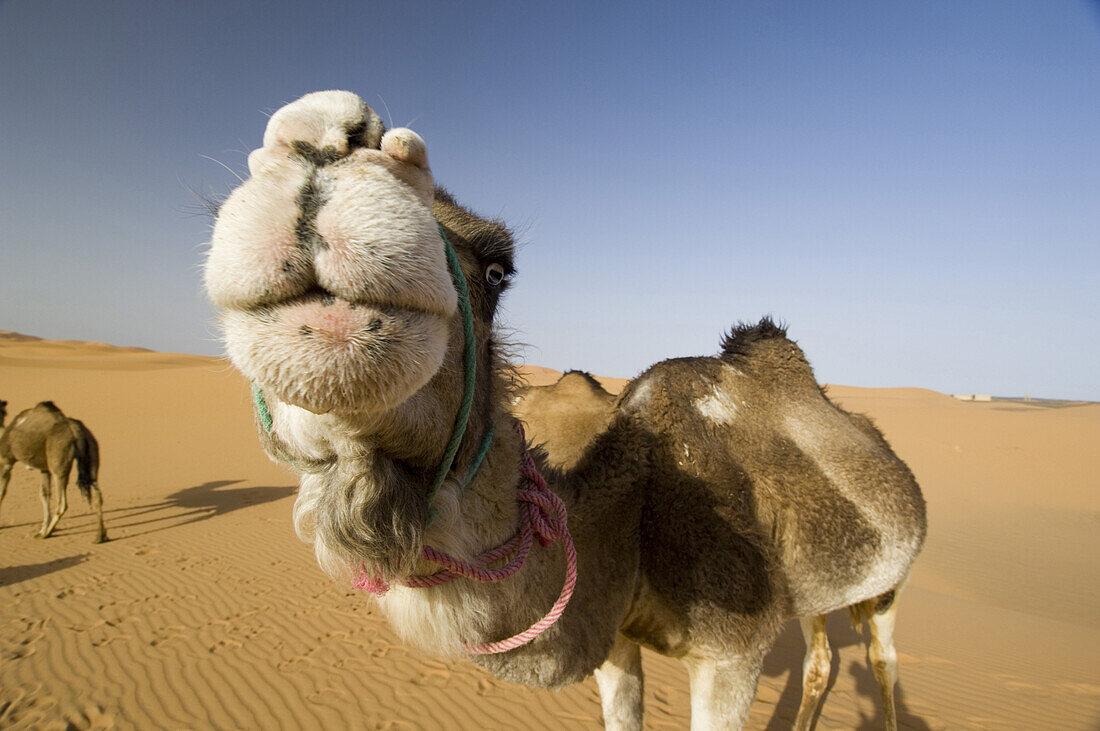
(743,335)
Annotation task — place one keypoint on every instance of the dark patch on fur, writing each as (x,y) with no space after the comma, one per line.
(309,201)
(305,330)
(836,540)
(367,133)
(318,157)
(50,405)
(706,553)
(885,601)
(355,133)
(742,335)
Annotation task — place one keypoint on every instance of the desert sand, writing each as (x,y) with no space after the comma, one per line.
(205,611)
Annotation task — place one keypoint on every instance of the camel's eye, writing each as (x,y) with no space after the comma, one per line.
(494,275)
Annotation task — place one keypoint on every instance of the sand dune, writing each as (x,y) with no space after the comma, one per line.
(205,611)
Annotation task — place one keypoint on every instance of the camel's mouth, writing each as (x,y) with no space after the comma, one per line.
(326,353)
(327,305)
(328,321)
(318,312)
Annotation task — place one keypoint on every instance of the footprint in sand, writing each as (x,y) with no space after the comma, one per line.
(434,679)
(91,717)
(28,708)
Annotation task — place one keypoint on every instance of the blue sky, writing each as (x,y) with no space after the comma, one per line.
(913,187)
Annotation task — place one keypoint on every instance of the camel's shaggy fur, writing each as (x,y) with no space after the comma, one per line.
(48,441)
(723,495)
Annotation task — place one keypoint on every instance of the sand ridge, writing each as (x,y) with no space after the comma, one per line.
(205,611)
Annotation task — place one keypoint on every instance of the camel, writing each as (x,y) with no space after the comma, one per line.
(47,440)
(726,494)
(564,417)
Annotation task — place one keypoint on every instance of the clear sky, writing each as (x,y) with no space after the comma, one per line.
(913,187)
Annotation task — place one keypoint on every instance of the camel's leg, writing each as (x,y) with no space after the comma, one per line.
(620,682)
(96,499)
(44,494)
(722,691)
(884,658)
(61,484)
(5,475)
(815,669)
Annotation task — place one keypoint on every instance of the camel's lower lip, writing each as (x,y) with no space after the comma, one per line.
(328,316)
(328,354)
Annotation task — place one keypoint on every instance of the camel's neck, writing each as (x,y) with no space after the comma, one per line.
(366,509)
(471,513)
(603,521)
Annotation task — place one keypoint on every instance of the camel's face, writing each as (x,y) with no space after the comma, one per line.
(328,264)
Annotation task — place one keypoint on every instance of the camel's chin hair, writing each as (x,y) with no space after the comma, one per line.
(361,518)
(360,360)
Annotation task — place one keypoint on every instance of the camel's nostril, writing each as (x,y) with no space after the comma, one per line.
(305,330)
(355,135)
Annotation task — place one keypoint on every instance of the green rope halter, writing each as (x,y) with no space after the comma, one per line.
(462,418)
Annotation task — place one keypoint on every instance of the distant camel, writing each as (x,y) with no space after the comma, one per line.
(726,495)
(47,440)
(564,416)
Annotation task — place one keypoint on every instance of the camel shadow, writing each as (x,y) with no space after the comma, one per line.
(15,574)
(200,502)
(786,657)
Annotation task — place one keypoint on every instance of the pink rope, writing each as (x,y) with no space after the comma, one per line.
(543,516)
